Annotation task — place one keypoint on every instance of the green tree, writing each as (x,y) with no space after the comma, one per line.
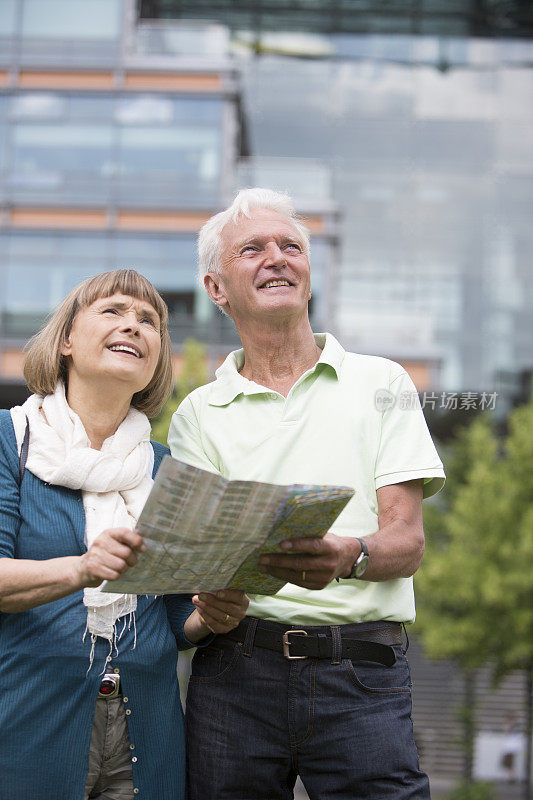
(443,588)
(456,567)
(516,579)
(475,589)
(194,373)
(469,791)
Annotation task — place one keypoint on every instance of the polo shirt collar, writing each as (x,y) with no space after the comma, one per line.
(229,383)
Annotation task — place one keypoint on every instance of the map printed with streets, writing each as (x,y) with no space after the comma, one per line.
(204,532)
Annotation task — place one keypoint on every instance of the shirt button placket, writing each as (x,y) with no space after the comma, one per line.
(132,746)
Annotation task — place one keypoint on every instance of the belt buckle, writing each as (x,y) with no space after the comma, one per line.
(287,644)
(109,686)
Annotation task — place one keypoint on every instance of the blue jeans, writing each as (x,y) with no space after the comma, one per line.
(256,720)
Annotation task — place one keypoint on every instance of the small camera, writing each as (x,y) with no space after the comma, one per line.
(109,687)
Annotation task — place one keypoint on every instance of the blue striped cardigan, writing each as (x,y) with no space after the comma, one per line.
(47,700)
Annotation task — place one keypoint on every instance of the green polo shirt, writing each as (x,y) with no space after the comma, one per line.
(351,420)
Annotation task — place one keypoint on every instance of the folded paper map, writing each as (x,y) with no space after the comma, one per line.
(204,532)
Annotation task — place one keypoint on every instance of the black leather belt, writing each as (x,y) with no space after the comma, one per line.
(373,642)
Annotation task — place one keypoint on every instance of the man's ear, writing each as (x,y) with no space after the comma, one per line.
(215,288)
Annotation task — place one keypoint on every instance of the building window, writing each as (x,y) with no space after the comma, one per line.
(37,270)
(131,151)
(60,161)
(180,304)
(71,19)
(8,18)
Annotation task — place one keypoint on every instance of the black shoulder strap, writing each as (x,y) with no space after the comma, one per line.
(24,450)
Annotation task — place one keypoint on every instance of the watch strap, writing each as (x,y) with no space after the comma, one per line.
(361,562)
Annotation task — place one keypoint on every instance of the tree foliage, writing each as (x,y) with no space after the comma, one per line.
(475,588)
(194,373)
(471,791)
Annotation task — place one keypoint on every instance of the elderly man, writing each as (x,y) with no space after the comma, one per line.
(314,681)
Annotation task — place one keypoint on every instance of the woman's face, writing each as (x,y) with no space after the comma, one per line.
(116,338)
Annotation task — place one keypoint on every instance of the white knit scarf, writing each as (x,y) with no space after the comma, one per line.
(115,482)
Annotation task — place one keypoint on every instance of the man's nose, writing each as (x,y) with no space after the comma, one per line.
(275,256)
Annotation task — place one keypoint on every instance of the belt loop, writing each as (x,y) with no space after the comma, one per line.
(337,644)
(248,644)
(406,648)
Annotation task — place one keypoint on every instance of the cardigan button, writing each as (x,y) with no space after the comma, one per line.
(128,711)
(135,791)
(134,759)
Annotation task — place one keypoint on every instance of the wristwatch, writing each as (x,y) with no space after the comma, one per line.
(358,569)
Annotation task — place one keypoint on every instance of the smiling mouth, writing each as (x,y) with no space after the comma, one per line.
(124,348)
(273,284)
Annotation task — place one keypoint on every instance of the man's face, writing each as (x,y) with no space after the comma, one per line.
(264,268)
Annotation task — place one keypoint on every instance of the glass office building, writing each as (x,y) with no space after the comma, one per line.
(118,139)
(423,113)
(433,174)
(120,134)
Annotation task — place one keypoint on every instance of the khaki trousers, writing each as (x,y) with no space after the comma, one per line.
(110,775)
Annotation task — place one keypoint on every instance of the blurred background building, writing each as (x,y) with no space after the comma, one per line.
(422,114)
(404,131)
(118,139)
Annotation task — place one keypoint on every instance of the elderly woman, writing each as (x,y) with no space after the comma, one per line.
(90,705)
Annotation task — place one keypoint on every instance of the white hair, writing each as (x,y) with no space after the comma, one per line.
(209,238)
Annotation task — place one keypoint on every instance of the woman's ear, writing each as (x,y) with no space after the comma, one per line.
(66,347)
(215,288)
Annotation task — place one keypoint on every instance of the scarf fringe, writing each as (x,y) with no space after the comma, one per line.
(113,640)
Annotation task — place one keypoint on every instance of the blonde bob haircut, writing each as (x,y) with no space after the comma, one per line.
(45,364)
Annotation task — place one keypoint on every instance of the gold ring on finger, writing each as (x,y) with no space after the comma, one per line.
(226,619)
